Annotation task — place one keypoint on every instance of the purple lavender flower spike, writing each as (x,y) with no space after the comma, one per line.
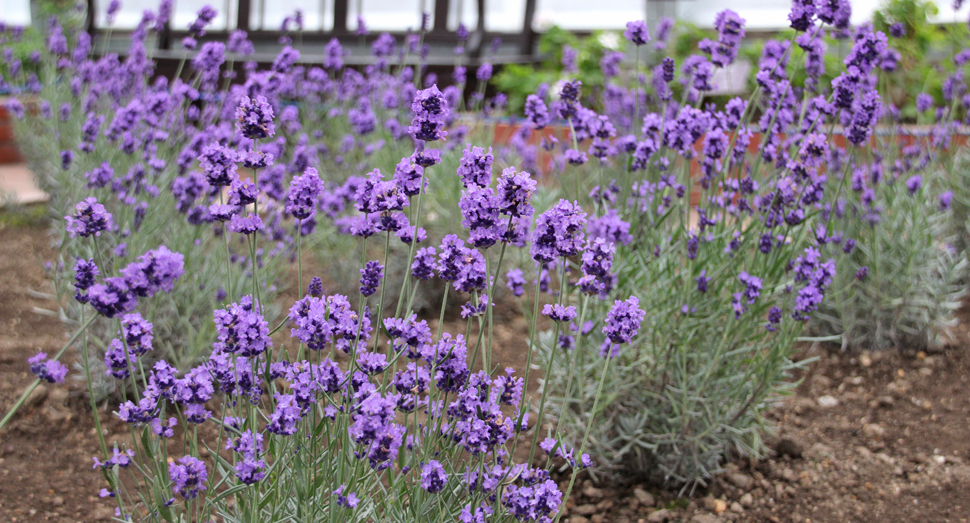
(475,167)
(433,477)
(637,33)
(156,270)
(370,278)
(424,263)
(536,111)
(251,224)
(559,313)
(480,215)
(90,219)
(188,476)
(112,297)
(219,164)
(515,281)
(254,118)
(51,371)
(514,191)
(137,333)
(623,321)
(430,112)
(558,232)
(241,329)
(303,194)
(730,32)
(287,414)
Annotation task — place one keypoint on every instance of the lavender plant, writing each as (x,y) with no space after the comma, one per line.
(362,413)
(729,283)
(901,278)
(130,143)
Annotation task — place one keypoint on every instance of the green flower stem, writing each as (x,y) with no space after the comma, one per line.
(582,448)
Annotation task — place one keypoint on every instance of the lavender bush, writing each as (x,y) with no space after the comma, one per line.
(361,413)
(132,142)
(901,276)
(729,285)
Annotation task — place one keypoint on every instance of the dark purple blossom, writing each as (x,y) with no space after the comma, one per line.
(480,215)
(100,176)
(430,110)
(90,219)
(254,118)
(118,459)
(51,371)
(219,164)
(702,281)
(596,266)
(408,175)
(376,195)
(188,476)
(514,192)
(433,477)
(536,111)
(370,277)
(112,297)
(558,232)
(241,329)
(85,275)
(559,313)
(251,224)
(914,184)
(802,15)
(945,199)
(463,266)
(137,333)
(515,281)
(116,360)
(303,194)
(424,263)
(623,321)
(156,270)
(538,502)
(637,33)
(287,414)
(475,167)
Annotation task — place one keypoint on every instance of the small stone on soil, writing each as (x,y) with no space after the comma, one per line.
(827,401)
(645,498)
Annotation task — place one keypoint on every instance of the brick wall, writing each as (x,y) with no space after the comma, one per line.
(8,146)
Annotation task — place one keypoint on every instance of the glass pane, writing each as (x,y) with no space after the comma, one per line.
(503,15)
(128,16)
(583,14)
(467,11)
(186,12)
(387,15)
(317,14)
(16,12)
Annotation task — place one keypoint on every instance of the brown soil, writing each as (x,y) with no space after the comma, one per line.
(45,453)
(894,447)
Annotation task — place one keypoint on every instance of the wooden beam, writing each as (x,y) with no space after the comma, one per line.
(441,8)
(244,8)
(528,33)
(90,20)
(340,16)
(477,39)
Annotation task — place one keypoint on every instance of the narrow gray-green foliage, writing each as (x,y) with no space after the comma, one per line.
(913,261)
